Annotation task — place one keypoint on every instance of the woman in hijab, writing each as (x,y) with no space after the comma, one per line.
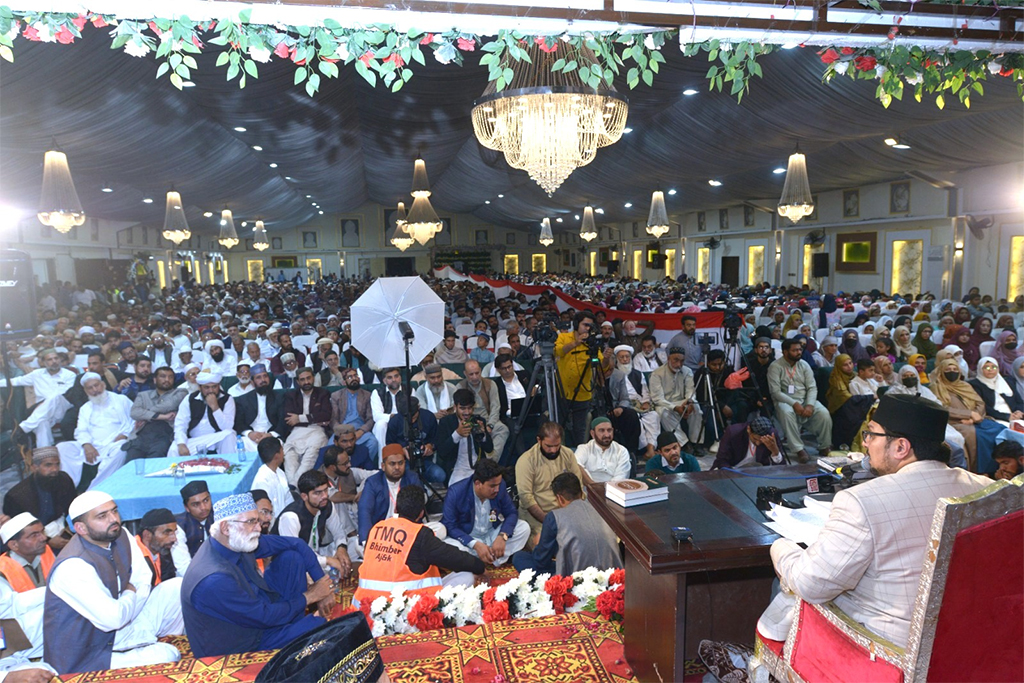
(925,313)
(883,372)
(829,312)
(923,341)
(1006,351)
(1003,322)
(956,335)
(848,411)
(867,328)
(793,322)
(902,321)
(981,332)
(1000,401)
(1016,380)
(956,353)
(966,415)
(851,345)
(825,356)
(962,316)
(908,382)
(904,348)
(920,364)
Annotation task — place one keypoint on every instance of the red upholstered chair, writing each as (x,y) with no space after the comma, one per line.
(968,620)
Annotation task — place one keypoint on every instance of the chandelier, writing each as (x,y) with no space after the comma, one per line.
(546,238)
(796,201)
(549,123)
(259,240)
(422,222)
(59,206)
(657,219)
(175,224)
(588,230)
(228,237)
(400,238)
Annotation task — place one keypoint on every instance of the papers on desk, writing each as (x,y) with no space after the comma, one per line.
(799,525)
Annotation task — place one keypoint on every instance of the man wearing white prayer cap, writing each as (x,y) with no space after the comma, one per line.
(243,373)
(100,611)
(183,355)
(205,420)
(218,361)
(23,572)
(104,422)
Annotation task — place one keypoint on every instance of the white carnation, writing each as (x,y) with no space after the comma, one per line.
(45,36)
(841,67)
(880,71)
(259,54)
(136,49)
(994,68)
(915,79)
(378,605)
(15,28)
(649,42)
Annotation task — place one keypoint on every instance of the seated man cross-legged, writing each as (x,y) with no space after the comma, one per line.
(314,520)
(205,420)
(481,518)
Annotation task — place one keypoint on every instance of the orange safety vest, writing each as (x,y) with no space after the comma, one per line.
(384,567)
(155,561)
(16,575)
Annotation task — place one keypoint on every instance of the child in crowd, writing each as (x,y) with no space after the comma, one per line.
(864,383)
(480,354)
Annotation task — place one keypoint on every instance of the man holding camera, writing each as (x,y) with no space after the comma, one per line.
(463,438)
(576,355)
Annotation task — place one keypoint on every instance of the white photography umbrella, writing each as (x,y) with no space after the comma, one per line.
(388,302)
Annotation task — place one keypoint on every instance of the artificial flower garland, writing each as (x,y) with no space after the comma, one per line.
(382,52)
(526,596)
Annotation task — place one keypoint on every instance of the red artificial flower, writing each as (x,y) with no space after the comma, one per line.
(541,42)
(64,36)
(154,28)
(829,56)
(569,599)
(618,576)
(291,55)
(364,607)
(847,50)
(427,39)
(282,50)
(928,63)
(489,596)
(395,59)
(99,22)
(195,41)
(31,33)
(554,586)
(612,604)
(1006,71)
(496,611)
(365,59)
(80,21)
(329,60)
(466,44)
(865,63)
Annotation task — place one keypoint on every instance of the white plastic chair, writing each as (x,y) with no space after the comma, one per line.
(985,348)
(777,348)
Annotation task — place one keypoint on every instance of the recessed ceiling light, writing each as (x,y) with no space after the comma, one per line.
(273,165)
(257,148)
(487,201)
(577,216)
(628,205)
(188,84)
(901,145)
(309,196)
(891,141)
(600,211)
(147,200)
(208,214)
(671,191)
(245,224)
(288,177)
(779,170)
(320,212)
(627,130)
(239,129)
(107,188)
(558,220)
(715,183)
(690,92)
(501,196)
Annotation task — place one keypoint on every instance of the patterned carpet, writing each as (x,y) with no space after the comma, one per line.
(569,648)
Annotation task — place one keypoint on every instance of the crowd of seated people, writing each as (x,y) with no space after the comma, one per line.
(197,369)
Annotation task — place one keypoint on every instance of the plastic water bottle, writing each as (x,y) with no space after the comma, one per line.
(240,448)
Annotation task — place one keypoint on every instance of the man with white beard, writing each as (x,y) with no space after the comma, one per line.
(103,423)
(229,607)
(244,384)
(218,361)
(629,391)
(205,420)
(650,357)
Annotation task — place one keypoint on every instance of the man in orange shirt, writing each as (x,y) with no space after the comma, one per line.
(27,563)
(157,533)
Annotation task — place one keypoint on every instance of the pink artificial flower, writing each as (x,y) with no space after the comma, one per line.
(282,50)
(427,39)
(31,33)
(466,44)
(829,56)
(80,21)
(64,36)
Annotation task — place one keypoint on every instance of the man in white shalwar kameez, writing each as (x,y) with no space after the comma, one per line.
(49,384)
(435,394)
(205,420)
(104,423)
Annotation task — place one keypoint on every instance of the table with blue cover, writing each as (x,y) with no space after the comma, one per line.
(135,494)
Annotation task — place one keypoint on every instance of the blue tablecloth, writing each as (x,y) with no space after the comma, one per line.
(136,495)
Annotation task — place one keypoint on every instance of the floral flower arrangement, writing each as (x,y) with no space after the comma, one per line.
(526,596)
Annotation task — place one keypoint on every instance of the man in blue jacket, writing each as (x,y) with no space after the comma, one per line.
(481,518)
(380,491)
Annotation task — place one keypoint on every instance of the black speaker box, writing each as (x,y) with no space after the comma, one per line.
(17,296)
(613,267)
(819,265)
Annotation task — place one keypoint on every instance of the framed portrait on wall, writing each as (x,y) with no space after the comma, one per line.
(276,243)
(284,262)
(349,233)
(309,240)
(480,237)
(851,203)
(603,256)
(748,216)
(248,244)
(702,221)
(857,252)
(723,219)
(510,238)
(899,197)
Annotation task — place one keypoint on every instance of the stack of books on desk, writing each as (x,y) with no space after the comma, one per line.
(630,492)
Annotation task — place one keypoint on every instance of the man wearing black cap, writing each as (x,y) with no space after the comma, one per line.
(158,532)
(749,444)
(868,556)
(670,458)
(450,351)
(193,524)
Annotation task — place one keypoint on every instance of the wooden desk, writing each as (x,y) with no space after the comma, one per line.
(678,594)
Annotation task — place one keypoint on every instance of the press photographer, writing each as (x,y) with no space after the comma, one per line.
(463,438)
(418,435)
(577,354)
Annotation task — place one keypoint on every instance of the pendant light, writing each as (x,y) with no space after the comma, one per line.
(422,223)
(400,238)
(657,219)
(175,223)
(546,238)
(259,241)
(796,201)
(588,230)
(228,236)
(59,206)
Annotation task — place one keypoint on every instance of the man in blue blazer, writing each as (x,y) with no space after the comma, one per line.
(380,491)
(481,518)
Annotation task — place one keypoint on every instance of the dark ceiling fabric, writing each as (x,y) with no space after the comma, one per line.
(352,143)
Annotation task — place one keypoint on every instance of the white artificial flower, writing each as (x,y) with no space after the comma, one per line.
(43,31)
(259,54)
(915,79)
(378,605)
(165,36)
(136,49)
(378,629)
(880,71)
(994,68)
(841,67)
(16,27)
(725,47)
(342,51)
(649,42)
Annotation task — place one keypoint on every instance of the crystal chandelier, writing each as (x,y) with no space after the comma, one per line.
(796,201)
(59,206)
(228,237)
(259,240)
(546,238)
(657,219)
(549,123)
(175,224)
(588,230)
(400,238)
(422,223)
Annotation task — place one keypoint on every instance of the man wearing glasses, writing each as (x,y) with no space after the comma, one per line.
(229,607)
(869,555)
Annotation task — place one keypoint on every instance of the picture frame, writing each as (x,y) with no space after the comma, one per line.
(604,255)
(444,238)
(899,197)
(349,228)
(276,243)
(284,262)
(723,219)
(702,221)
(510,238)
(480,237)
(749,218)
(531,240)
(636,230)
(309,240)
(248,244)
(851,203)
(857,252)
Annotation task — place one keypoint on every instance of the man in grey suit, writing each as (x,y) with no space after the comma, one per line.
(869,555)
(154,413)
(351,405)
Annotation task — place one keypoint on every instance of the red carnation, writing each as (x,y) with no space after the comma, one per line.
(618,576)
(829,56)
(489,596)
(847,50)
(364,607)
(427,39)
(496,611)
(195,41)
(64,36)
(541,42)
(554,586)
(99,22)
(865,63)
(80,21)
(466,44)
(365,59)
(1006,71)
(31,33)
(154,28)
(282,50)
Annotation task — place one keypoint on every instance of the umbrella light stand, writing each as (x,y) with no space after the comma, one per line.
(412,433)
